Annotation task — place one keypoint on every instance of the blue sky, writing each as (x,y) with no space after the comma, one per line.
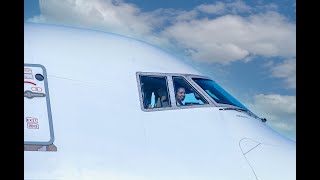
(248,47)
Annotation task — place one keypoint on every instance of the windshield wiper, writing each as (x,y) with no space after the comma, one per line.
(244,110)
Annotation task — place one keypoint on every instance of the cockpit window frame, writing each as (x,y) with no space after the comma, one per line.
(140,91)
(190,78)
(196,91)
(170,86)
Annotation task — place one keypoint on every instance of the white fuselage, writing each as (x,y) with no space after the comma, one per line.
(101,131)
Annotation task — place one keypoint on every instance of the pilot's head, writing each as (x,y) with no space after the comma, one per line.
(180,94)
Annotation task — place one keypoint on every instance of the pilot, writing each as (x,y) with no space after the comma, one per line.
(180,95)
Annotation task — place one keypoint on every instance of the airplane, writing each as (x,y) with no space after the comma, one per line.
(98,105)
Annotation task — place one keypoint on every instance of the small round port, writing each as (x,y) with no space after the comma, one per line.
(39,77)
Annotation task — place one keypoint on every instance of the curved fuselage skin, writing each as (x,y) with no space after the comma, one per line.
(101,132)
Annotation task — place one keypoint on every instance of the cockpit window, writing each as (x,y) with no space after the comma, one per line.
(217,92)
(185,94)
(154,91)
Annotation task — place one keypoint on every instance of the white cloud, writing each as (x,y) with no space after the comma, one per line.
(221,7)
(239,7)
(223,39)
(267,7)
(279,110)
(106,15)
(231,37)
(217,8)
(268,64)
(286,70)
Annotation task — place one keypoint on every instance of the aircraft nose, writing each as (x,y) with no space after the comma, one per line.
(270,161)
